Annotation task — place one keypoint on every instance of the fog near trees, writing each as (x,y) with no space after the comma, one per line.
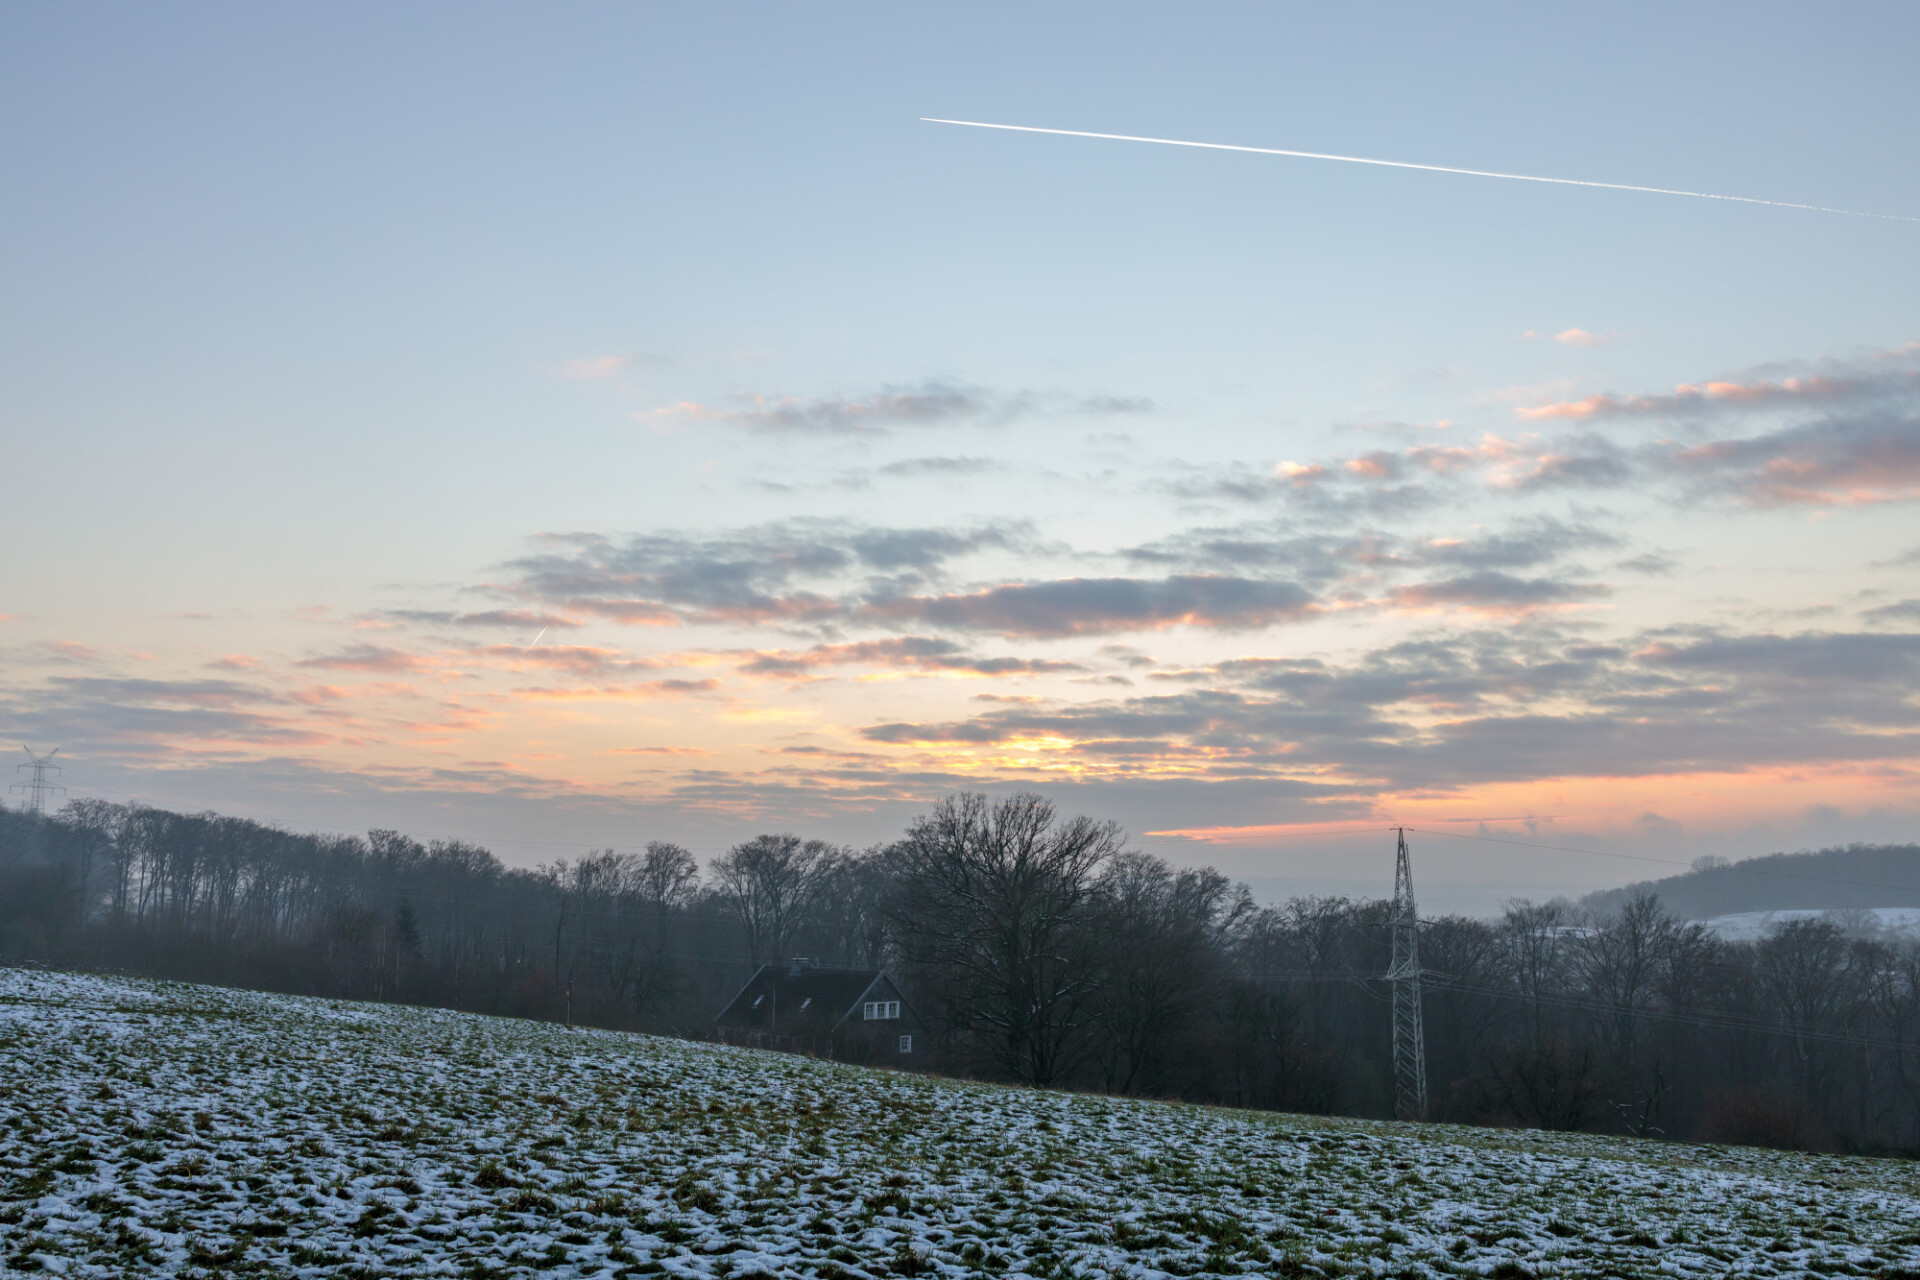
(1040,949)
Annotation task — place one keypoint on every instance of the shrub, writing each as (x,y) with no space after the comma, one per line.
(1757,1118)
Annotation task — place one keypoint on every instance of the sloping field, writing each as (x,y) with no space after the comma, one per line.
(155,1127)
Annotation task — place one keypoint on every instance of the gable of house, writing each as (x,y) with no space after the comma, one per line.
(883,1018)
(793,999)
(798,1003)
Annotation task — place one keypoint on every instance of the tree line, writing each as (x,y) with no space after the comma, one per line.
(1039,947)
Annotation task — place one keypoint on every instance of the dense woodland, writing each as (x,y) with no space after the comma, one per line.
(1039,947)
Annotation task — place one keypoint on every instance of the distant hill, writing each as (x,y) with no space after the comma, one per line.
(1860,875)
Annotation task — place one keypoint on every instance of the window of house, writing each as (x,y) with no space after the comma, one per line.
(874,1010)
(806,1002)
(906,1044)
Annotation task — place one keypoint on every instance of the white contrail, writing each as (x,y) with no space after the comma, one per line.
(535,640)
(1430,168)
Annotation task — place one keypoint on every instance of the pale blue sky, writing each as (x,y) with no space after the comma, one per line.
(291,294)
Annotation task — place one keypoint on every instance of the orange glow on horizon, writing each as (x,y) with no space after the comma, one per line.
(1708,801)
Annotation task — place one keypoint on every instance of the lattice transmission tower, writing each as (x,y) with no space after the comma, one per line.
(37,788)
(1409,1039)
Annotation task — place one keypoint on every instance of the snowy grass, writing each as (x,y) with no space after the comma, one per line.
(158,1128)
(1894,924)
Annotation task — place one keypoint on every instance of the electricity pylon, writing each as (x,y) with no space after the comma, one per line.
(1409,1040)
(37,787)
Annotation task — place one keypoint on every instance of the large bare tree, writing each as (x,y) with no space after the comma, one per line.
(991,909)
(1163,935)
(770,882)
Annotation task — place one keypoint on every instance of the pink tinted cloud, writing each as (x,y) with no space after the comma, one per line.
(1823,464)
(320,694)
(898,653)
(1495,594)
(1378,465)
(367,657)
(579,659)
(1689,398)
(1445,460)
(927,404)
(1100,606)
(658,751)
(593,366)
(1522,462)
(632,613)
(641,692)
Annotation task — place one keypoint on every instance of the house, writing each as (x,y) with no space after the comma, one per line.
(855,1015)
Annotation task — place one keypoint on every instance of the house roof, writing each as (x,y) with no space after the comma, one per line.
(798,997)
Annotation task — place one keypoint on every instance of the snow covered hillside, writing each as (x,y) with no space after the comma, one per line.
(1898,924)
(151,1127)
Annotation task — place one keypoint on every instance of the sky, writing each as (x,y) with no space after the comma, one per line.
(570,426)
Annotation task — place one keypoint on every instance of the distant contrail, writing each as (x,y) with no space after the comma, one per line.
(1430,168)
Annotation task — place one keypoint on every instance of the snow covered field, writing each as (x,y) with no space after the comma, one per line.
(151,1127)
(1896,924)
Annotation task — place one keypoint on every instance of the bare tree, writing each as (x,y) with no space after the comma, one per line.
(1534,942)
(666,876)
(96,825)
(770,882)
(666,879)
(1037,948)
(1466,958)
(1161,933)
(1550,1085)
(847,907)
(1804,966)
(991,910)
(1621,957)
(1895,995)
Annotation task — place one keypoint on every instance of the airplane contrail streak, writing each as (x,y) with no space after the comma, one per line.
(1429,168)
(536,639)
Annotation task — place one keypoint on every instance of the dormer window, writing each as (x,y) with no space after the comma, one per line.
(876,1010)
